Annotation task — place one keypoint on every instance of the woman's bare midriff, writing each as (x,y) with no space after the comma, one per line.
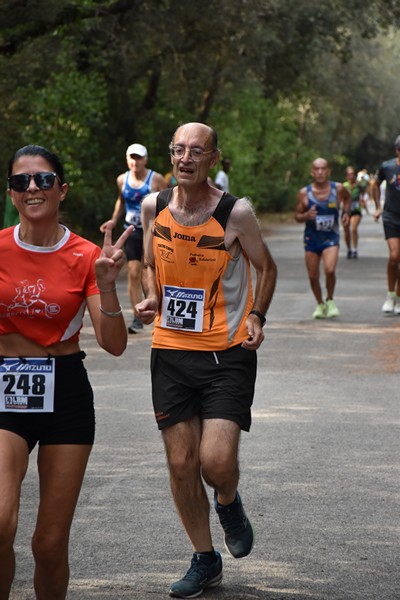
(15,344)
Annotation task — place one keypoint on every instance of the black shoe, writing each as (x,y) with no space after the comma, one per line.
(204,573)
(239,534)
(136,326)
(349,254)
(354,254)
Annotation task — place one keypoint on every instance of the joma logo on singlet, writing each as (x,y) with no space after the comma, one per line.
(187,238)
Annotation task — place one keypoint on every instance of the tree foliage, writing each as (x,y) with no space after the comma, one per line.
(281,80)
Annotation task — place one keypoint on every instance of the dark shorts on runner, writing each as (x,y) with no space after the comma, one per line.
(319,241)
(134,245)
(73,419)
(391,230)
(212,385)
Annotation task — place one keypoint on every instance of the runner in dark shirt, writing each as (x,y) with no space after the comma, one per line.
(389,171)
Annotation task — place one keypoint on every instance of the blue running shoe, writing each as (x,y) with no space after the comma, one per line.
(204,573)
(239,534)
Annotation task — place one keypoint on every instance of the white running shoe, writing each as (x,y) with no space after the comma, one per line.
(389,304)
(397,305)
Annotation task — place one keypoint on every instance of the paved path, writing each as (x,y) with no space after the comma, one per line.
(320,468)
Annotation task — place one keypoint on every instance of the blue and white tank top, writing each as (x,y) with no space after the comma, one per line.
(133,198)
(327,218)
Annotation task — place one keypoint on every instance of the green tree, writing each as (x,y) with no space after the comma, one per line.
(272,76)
(268,158)
(62,115)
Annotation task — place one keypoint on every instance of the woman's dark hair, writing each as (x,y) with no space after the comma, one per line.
(33,150)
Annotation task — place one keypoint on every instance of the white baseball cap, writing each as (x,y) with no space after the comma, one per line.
(137,149)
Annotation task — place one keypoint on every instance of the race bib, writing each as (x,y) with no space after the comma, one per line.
(355,205)
(183,308)
(133,218)
(324,222)
(27,385)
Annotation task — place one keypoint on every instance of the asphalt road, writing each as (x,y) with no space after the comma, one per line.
(320,467)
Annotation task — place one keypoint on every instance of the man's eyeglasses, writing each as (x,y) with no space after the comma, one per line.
(195,154)
(44,181)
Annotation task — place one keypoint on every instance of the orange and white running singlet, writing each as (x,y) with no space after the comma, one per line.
(44,289)
(205,293)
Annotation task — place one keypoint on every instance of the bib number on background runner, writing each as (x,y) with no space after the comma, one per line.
(183,308)
(27,385)
(133,218)
(324,222)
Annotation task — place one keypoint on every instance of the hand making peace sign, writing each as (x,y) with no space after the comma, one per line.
(112,257)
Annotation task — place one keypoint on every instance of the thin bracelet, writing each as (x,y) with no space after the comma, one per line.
(106,291)
(110,313)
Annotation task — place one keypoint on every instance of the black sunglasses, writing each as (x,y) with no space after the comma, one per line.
(44,181)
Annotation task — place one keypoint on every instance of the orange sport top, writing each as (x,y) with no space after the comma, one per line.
(205,294)
(43,290)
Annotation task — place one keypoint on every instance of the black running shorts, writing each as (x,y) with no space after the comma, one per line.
(212,385)
(134,245)
(73,420)
(391,230)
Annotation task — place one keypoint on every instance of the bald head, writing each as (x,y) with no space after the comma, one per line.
(320,170)
(205,131)
(320,162)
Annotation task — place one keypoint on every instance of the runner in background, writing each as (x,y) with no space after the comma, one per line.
(318,206)
(356,188)
(389,173)
(222,178)
(365,180)
(133,186)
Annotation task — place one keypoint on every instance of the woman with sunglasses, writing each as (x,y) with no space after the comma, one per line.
(48,276)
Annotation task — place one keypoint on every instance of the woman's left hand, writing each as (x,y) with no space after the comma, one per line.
(112,257)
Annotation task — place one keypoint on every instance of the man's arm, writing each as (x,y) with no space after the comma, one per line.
(376,195)
(302,212)
(146,309)
(344,198)
(243,225)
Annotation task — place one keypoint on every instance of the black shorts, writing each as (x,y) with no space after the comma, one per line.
(391,230)
(212,385)
(73,420)
(134,245)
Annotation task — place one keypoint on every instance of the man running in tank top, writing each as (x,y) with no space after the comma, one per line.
(133,186)
(199,246)
(318,207)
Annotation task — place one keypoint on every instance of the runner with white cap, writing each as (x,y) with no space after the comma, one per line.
(133,186)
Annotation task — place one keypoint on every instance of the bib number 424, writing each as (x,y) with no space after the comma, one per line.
(180,308)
